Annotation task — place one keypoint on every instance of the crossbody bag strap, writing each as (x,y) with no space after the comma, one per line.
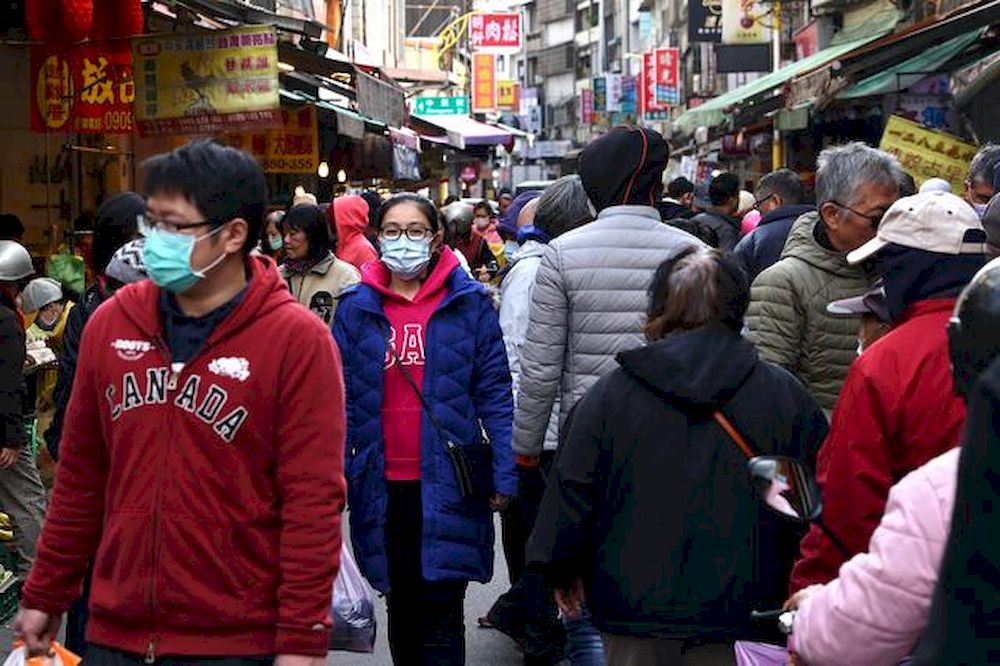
(409,380)
(734,434)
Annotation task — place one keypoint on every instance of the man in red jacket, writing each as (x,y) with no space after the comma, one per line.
(198,473)
(898,407)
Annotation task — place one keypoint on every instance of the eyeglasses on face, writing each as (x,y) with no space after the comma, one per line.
(147,223)
(874,220)
(413,233)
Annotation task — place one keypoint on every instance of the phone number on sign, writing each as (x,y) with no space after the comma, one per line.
(288,164)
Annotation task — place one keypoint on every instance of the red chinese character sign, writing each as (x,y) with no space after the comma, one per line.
(495,31)
(484,83)
(87,89)
(651,108)
(668,76)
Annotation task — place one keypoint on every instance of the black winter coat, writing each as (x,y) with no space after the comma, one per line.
(650,502)
(726,227)
(761,248)
(13,393)
(75,322)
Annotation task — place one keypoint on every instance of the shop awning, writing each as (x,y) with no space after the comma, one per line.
(349,123)
(463,131)
(905,74)
(713,112)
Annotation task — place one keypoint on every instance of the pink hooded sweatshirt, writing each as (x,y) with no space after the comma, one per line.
(350,215)
(875,610)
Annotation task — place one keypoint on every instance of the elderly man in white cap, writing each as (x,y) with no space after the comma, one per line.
(898,408)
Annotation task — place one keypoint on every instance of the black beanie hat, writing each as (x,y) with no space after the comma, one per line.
(115,225)
(624,167)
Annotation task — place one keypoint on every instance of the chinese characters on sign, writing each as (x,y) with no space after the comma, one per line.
(743,22)
(89,89)
(600,98)
(507,94)
(651,108)
(614,93)
(586,106)
(441,106)
(484,83)
(924,153)
(292,149)
(495,31)
(668,76)
(206,83)
(705,21)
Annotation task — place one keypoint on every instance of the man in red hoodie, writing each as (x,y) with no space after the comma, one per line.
(197,473)
(349,219)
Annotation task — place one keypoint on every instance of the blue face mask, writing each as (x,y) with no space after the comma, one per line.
(167,256)
(276,243)
(510,248)
(406,258)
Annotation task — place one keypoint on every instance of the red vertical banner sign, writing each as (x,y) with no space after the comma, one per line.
(586,106)
(484,82)
(651,108)
(668,76)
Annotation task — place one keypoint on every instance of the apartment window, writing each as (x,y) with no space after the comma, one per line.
(584,68)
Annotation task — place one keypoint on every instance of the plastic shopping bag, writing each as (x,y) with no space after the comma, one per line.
(353,608)
(60,657)
(68,268)
(749,653)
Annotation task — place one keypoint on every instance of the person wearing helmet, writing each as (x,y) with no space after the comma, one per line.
(895,580)
(22,494)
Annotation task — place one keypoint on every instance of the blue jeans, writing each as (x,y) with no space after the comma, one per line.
(584,646)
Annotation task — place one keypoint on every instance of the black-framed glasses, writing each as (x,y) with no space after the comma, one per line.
(874,220)
(147,223)
(413,233)
(761,202)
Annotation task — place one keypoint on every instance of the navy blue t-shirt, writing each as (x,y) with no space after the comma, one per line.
(186,335)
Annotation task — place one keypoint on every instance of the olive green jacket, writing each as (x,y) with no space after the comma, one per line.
(788,321)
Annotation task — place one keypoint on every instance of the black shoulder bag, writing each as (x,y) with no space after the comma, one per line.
(472,463)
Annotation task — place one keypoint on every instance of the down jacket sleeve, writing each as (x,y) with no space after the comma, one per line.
(493,399)
(855,474)
(877,608)
(776,317)
(541,356)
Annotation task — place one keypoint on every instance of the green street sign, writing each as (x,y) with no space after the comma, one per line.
(441,106)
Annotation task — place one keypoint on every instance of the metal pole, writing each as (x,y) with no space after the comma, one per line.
(777,157)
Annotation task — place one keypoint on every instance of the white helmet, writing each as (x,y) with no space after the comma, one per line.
(39,293)
(15,262)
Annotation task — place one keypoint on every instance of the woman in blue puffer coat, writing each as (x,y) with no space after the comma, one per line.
(417,320)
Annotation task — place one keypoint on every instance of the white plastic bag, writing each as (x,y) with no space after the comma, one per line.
(60,657)
(352,609)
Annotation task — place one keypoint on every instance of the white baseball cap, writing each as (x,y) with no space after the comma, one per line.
(929,221)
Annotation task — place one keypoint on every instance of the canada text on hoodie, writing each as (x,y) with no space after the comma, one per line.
(350,215)
(207,497)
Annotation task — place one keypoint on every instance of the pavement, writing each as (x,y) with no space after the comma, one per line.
(484,647)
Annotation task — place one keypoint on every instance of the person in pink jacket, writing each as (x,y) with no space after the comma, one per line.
(874,612)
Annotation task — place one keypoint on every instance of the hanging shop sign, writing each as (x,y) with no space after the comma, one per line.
(484,82)
(667,70)
(206,83)
(630,92)
(586,106)
(705,21)
(380,101)
(530,111)
(651,108)
(614,93)
(495,31)
(744,22)
(600,98)
(507,93)
(88,89)
(292,149)
(924,153)
(441,106)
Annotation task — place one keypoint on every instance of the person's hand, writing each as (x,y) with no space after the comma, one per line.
(482,274)
(499,502)
(298,660)
(796,599)
(37,630)
(570,601)
(8,456)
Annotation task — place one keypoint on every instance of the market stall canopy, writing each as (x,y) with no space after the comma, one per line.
(349,123)
(715,111)
(463,131)
(909,72)
(241,13)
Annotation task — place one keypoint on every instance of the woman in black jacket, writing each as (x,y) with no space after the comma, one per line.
(649,512)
